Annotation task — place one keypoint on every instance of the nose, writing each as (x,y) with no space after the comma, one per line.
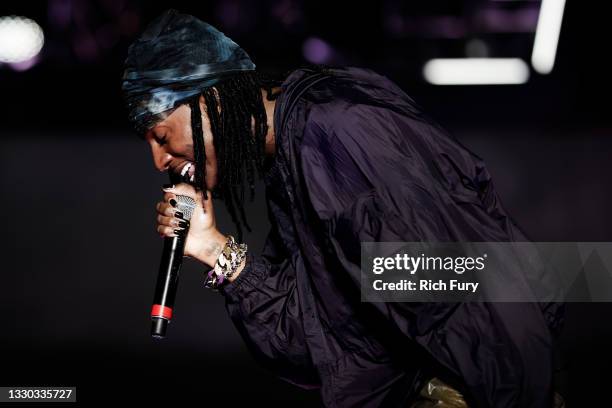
(161,159)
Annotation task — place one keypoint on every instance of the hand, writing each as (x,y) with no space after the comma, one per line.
(203,242)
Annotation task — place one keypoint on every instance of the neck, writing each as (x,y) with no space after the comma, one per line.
(270,148)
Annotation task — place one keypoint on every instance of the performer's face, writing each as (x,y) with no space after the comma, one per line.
(171,142)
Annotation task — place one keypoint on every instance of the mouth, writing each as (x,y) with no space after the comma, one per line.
(187,174)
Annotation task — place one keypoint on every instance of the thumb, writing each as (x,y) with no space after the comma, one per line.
(181,189)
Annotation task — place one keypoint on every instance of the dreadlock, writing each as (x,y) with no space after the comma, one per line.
(240,150)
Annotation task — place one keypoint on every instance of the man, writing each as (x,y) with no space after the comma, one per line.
(347,157)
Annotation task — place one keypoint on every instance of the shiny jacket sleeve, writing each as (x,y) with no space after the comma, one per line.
(264,306)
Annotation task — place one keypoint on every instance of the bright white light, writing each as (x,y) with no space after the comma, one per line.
(547,35)
(476,71)
(21,39)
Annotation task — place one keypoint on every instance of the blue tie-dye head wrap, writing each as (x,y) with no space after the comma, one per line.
(175,58)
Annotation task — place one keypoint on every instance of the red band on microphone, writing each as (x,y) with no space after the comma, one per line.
(161,311)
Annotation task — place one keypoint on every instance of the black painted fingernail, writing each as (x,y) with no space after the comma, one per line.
(173,202)
(168,186)
(178,214)
(182,224)
(179,231)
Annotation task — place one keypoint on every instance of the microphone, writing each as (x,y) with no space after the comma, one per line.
(168,275)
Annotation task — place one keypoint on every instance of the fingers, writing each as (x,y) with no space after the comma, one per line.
(169,228)
(169,196)
(169,221)
(166,231)
(172,222)
(165,208)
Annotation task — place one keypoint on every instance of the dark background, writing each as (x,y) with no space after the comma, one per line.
(80,253)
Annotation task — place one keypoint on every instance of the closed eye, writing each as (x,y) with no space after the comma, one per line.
(161,141)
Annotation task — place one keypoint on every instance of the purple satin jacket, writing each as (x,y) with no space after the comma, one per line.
(357,160)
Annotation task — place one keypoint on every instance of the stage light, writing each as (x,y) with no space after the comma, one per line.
(547,35)
(21,39)
(476,71)
(316,51)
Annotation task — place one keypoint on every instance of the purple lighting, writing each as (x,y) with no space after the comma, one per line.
(25,65)
(236,16)
(287,12)
(316,50)
(60,13)
(515,21)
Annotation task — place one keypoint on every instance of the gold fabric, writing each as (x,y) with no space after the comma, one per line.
(437,394)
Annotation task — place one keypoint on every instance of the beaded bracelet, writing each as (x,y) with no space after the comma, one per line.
(227,263)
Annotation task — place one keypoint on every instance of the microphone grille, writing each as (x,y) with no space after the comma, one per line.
(186,205)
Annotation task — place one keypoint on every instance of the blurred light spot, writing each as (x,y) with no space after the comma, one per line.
(476,49)
(25,65)
(21,39)
(316,50)
(476,71)
(547,35)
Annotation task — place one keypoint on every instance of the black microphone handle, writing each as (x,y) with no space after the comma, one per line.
(167,283)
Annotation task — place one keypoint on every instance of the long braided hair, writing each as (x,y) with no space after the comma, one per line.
(240,150)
